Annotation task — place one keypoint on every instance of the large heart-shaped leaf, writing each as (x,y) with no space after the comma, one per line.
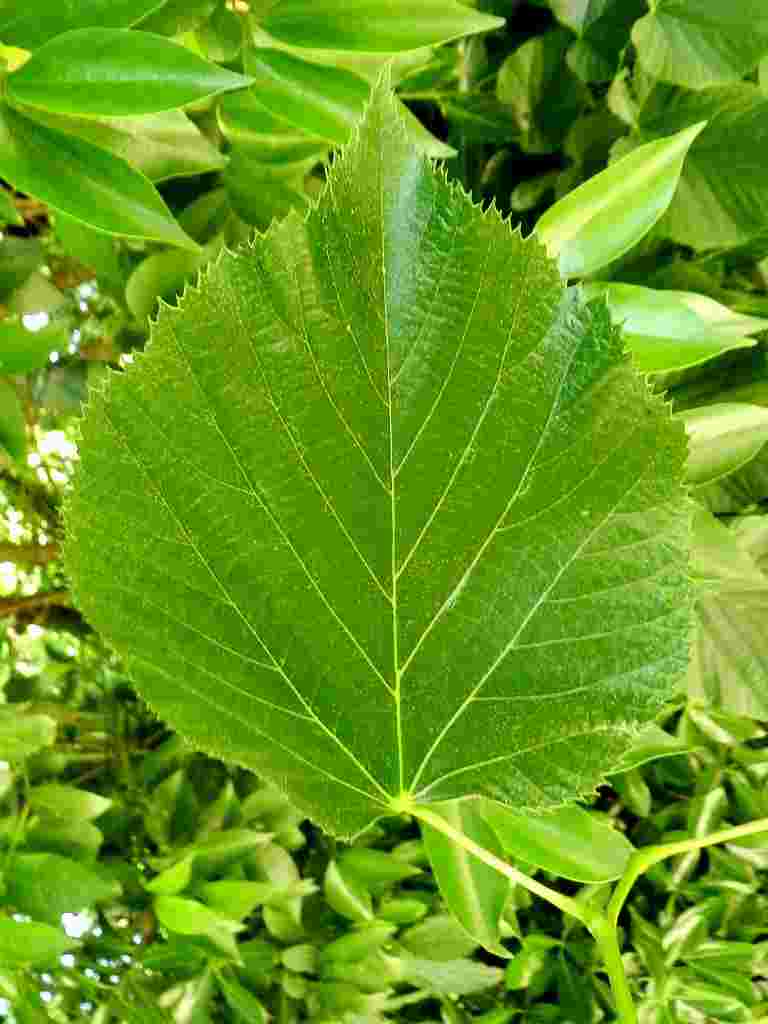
(384,514)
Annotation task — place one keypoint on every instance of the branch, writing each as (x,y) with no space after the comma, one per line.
(34,602)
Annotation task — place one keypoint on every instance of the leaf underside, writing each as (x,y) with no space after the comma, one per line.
(382,513)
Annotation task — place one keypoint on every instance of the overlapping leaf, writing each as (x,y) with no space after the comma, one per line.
(382,513)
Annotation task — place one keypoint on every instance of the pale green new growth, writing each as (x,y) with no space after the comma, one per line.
(385,516)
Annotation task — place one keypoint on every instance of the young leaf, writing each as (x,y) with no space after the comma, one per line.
(373,26)
(724,437)
(24,734)
(30,942)
(105,72)
(31,25)
(473,892)
(390,518)
(603,218)
(81,180)
(13,426)
(568,841)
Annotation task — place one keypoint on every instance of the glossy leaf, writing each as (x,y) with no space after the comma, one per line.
(61,801)
(723,437)
(373,27)
(651,743)
(672,330)
(84,181)
(188,917)
(454,560)
(603,218)
(568,841)
(160,276)
(13,427)
(27,25)
(475,893)
(105,72)
(699,43)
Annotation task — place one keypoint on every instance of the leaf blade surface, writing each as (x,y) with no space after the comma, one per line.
(366,499)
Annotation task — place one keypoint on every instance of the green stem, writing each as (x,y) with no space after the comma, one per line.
(564,903)
(646,857)
(606,937)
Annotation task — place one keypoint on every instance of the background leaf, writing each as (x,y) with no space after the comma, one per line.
(116,73)
(22,25)
(373,27)
(365,640)
(83,181)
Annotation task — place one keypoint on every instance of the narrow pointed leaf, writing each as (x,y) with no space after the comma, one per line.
(672,330)
(372,26)
(30,25)
(474,892)
(568,841)
(84,181)
(106,72)
(603,218)
(391,517)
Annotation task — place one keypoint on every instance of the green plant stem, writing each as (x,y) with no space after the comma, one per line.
(645,858)
(600,925)
(562,902)
(606,936)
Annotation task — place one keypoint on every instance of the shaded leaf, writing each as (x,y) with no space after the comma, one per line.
(474,892)
(342,393)
(83,181)
(13,426)
(698,43)
(724,437)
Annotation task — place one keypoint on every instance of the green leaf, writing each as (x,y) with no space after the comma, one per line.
(568,841)
(672,330)
(45,886)
(243,1004)
(188,917)
(603,218)
(698,43)
(439,937)
(81,180)
(543,95)
(729,654)
(723,438)
(13,426)
(474,892)
(372,26)
(449,977)
(722,201)
(162,275)
(30,942)
(61,801)
(29,26)
(651,743)
(176,17)
(105,72)
(23,350)
(161,146)
(19,258)
(8,212)
(430,538)
(23,734)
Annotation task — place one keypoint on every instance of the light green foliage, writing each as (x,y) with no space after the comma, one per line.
(698,43)
(21,25)
(399,613)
